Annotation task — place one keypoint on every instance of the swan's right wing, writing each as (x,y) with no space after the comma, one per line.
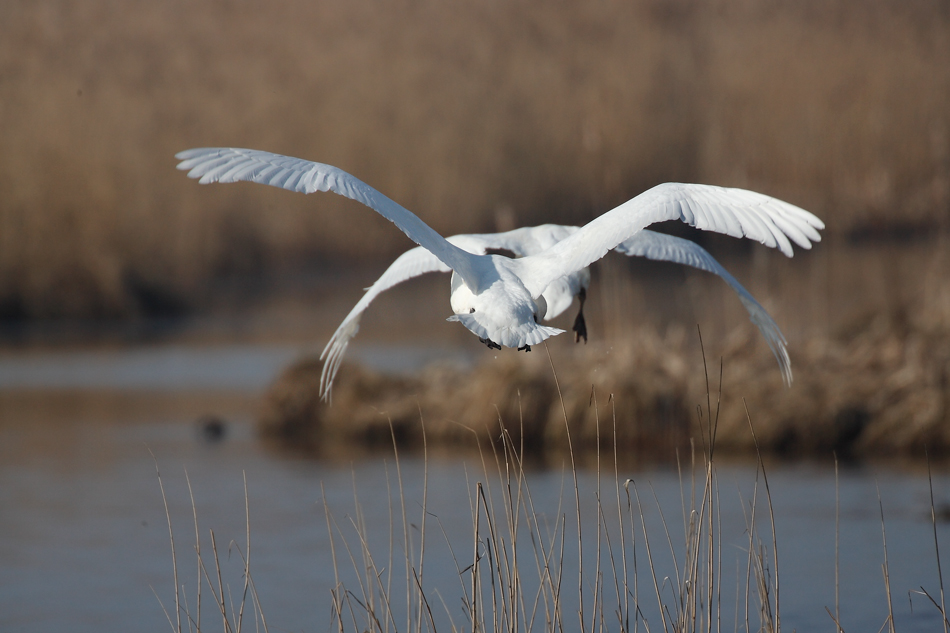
(667,248)
(735,212)
(227,164)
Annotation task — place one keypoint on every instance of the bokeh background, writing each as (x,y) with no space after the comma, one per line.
(484,116)
(477,116)
(147,321)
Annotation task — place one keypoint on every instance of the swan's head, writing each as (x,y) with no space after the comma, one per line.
(504,313)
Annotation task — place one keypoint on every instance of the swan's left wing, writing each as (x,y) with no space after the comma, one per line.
(413,263)
(667,248)
(735,212)
(225,164)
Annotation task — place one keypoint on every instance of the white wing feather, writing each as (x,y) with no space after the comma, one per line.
(735,212)
(412,263)
(667,248)
(221,164)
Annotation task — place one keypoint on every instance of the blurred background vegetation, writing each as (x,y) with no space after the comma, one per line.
(478,116)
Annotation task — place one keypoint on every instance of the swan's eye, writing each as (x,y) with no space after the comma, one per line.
(470,310)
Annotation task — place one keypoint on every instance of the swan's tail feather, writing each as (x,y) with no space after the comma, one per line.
(517,336)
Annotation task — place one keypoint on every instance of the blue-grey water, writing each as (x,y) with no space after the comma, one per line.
(84,541)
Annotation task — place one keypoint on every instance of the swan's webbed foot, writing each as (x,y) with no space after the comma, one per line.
(526,348)
(490,343)
(580,328)
(580,325)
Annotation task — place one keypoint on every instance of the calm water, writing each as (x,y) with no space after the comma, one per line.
(84,542)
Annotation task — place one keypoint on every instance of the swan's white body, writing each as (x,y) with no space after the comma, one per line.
(500,299)
(555,299)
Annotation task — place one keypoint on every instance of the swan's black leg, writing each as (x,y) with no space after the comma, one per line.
(490,343)
(580,326)
(526,348)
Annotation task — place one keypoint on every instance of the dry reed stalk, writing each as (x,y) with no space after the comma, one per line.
(337,605)
(194,513)
(777,625)
(171,537)
(247,554)
(933,521)
(577,498)
(885,570)
(232,617)
(837,616)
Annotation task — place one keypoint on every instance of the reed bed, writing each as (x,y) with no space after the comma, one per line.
(525,571)
(880,388)
(229,604)
(476,116)
(522,569)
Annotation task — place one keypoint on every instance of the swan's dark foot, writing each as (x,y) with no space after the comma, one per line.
(526,348)
(580,325)
(490,343)
(580,328)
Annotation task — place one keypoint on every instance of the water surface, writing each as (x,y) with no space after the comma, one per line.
(84,543)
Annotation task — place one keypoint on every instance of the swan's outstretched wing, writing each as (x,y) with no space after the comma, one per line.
(412,263)
(735,212)
(419,261)
(666,248)
(219,164)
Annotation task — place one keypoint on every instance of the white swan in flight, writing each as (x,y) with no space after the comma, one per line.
(498,298)
(557,296)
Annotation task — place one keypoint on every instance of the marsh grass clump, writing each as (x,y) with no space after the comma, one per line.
(879,388)
(512,395)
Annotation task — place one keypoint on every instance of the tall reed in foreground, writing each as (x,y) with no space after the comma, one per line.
(231,612)
(599,565)
(521,571)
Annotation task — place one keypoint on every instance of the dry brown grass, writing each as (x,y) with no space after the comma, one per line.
(880,387)
(472,114)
